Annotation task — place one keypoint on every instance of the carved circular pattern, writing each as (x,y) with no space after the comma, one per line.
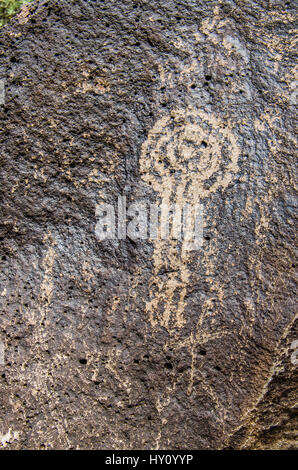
(190,148)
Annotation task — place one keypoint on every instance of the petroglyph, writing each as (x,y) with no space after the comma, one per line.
(188,155)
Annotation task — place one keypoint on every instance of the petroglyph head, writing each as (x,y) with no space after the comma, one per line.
(189,152)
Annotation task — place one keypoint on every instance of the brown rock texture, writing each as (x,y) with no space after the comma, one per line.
(140,343)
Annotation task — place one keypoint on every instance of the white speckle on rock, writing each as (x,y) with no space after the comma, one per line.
(8,437)
(239,47)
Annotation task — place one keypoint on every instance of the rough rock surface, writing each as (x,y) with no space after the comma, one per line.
(139,344)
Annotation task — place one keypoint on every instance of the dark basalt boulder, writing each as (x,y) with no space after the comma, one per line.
(139,343)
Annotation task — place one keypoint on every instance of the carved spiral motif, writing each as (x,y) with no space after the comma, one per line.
(189,151)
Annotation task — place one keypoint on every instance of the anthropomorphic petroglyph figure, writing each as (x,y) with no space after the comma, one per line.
(188,155)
